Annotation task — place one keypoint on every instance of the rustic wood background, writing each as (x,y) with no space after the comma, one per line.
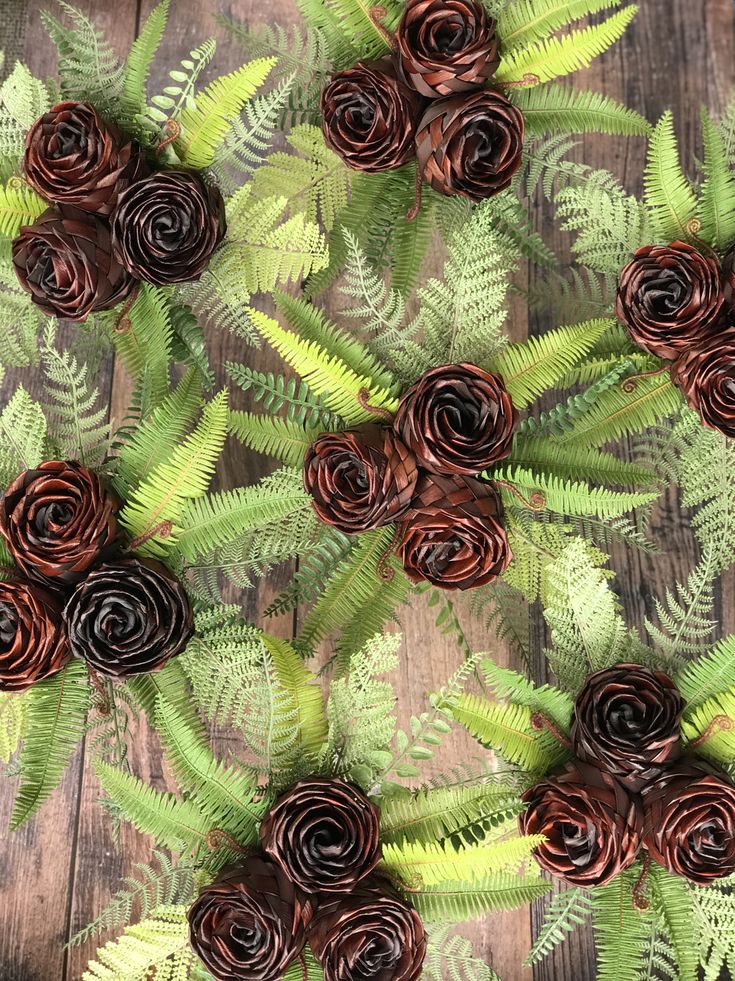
(57,873)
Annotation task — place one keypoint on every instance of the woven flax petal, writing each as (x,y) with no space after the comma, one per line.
(33,643)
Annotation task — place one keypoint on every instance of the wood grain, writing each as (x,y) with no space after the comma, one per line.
(57,873)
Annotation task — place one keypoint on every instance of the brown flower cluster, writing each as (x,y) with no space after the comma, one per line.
(111,221)
(430,99)
(420,473)
(71,595)
(315,884)
(629,788)
(679,304)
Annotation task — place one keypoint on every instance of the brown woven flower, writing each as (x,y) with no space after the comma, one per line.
(728,281)
(627,721)
(72,157)
(470,145)
(129,617)
(65,261)
(457,419)
(33,643)
(453,535)
(360,479)
(166,227)
(706,376)
(250,923)
(690,823)
(447,46)
(324,835)
(368,116)
(58,520)
(370,935)
(591,823)
(669,298)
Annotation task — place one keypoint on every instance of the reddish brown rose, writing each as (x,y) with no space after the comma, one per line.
(453,535)
(457,418)
(65,261)
(59,521)
(669,298)
(72,157)
(447,46)
(166,227)
(360,480)
(627,721)
(591,823)
(368,116)
(323,833)
(33,643)
(370,935)
(470,145)
(690,823)
(129,617)
(249,923)
(706,376)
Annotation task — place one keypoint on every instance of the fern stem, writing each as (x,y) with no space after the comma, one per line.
(526,82)
(536,502)
(104,706)
(413,211)
(217,838)
(163,529)
(539,722)
(720,723)
(629,384)
(386,572)
(362,400)
(639,900)
(123,324)
(173,128)
(377,16)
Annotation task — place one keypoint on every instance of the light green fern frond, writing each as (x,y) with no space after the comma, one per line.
(717,193)
(55,716)
(553,57)
(279,438)
(155,507)
(525,21)
(566,911)
(158,945)
(12,716)
(669,195)
(206,124)
(672,900)
(568,497)
(19,205)
(23,99)
(23,436)
(145,348)
(302,689)
(432,863)
(621,931)
(552,109)
(461,901)
(138,64)
(577,463)
(510,686)
(712,725)
(450,956)
(708,676)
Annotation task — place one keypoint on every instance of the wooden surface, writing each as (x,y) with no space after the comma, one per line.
(57,873)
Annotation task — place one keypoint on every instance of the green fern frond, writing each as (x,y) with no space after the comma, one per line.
(566,911)
(432,863)
(19,205)
(461,901)
(508,730)
(684,617)
(55,716)
(571,462)
(536,365)
(359,28)
(210,522)
(568,497)
(328,377)
(179,93)
(315,570)
(140,58)
(714,741)
(621,931)
(449,956)
(175,824)
(553,109)
(159,501)
(669,195)
(12,717)
(510,686)
(553,57)
(206,124)
(672,900)
(145,348)
(157,946)
(717,193)
(525,21)
(708,676)
(277,392)
(23,436)
(279,438)
(301,687)
(23,99)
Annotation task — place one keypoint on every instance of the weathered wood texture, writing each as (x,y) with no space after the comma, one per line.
(57,873)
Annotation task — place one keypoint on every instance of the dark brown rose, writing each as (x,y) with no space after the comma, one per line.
(669,298)
(706,376)
(324,835)
(33,643)
(690,823)
(457,419)
(470,145)
(370,935)
(360,480)
(59,521)
(128,617)
(65,261)
(368,116)
(591,824)
(250,923)
(453,535)
(627,721)
(447,46)
(728,280)
(166,227)
(72,157)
